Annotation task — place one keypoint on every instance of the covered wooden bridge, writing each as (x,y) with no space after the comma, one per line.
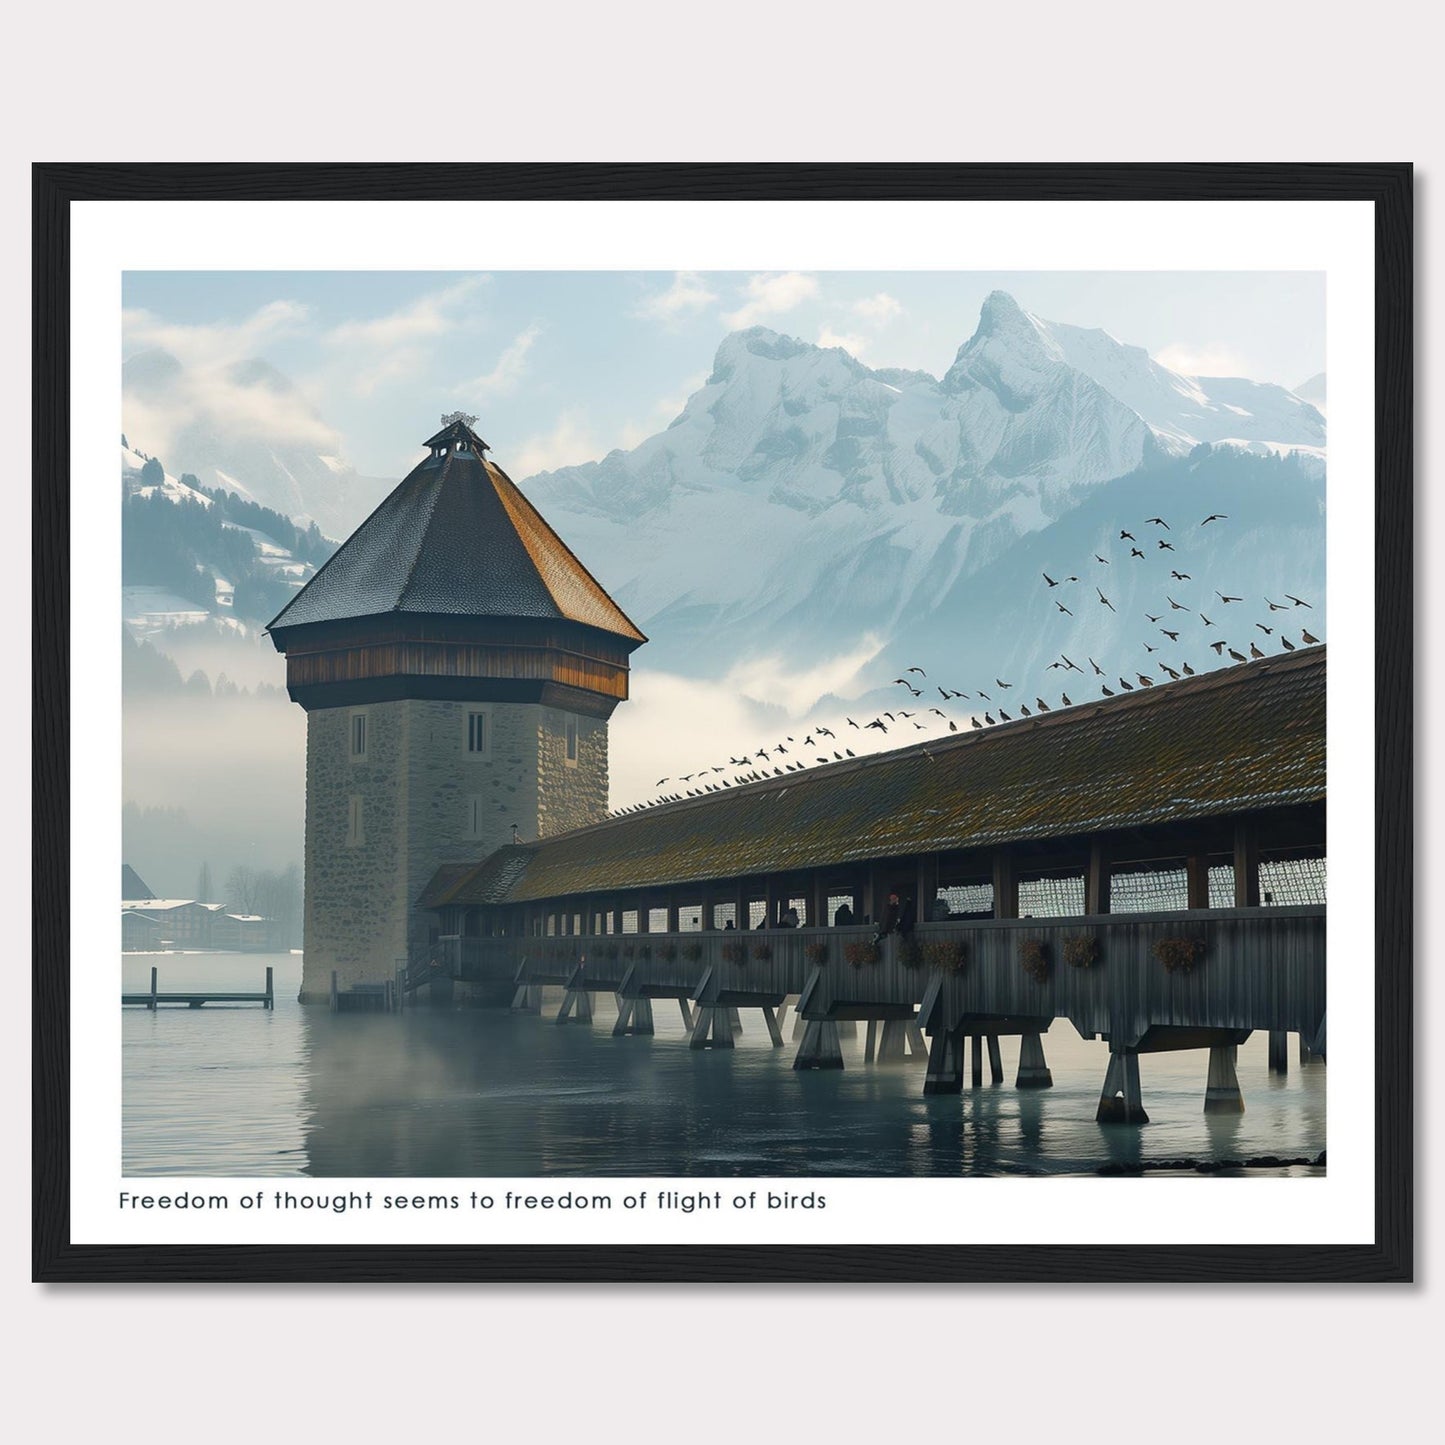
(1149,868)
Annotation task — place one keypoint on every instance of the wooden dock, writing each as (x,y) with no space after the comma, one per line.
(193,999)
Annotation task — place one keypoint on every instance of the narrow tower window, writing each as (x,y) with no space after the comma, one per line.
(474,816)
(571,739)
(478,738)
(358,737)
(354,832)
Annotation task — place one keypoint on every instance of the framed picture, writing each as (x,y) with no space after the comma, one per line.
(723,723)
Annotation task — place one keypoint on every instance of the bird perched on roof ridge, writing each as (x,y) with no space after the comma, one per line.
(1309,639)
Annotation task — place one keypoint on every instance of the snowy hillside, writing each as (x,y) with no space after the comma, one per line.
(294,471)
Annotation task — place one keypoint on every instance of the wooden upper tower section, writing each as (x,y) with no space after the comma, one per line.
(454,587)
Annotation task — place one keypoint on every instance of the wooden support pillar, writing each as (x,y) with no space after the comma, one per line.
(634,1016)
(1221,1092)
(578,1002)
(705,921)
(687,1015)
(644,921)
(1005,886)
(820,1048)
(1246,865)
(995,1060)
(335,995)
(774,1032)
(976,1059)
(1278,1051)
(713,1027)
(1033,1066)
(1196,876)
(152,1004)
(945,1063)
(895,1039)
(1096,883)
(1305,1052)
(672,925)
(927,886)
(735,1019)
(1122,1101)
(870,1043)
(818,901)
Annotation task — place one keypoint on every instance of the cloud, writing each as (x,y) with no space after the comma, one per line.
(772,294)
(511,367)
(216,344)
(879,309)
(687,295)
(428,316)
(1210,359)
(851,342)
(675,725)
(569,443)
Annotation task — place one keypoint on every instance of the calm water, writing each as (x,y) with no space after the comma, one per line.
(239,1091)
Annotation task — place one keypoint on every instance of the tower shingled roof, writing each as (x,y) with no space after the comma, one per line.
(456,537)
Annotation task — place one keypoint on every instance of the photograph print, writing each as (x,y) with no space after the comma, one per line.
(723,724)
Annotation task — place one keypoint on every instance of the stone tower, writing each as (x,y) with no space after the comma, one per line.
(458,666)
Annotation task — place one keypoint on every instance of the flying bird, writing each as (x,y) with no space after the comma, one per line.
(879,724)
(1268,631)
(1298,603)
(918,670)
(1073,666)
(1215,517)
(1276,606)
(1180,576)
(1172,636)
(1049,580)
(1135,552)
(1106,601)
(1223,598)
(1165,546)
(1177,606)
(1218,647)
(850,722)
(1127,536)
(1098,671)
(1098,558)
(1002,683)
(1158,522)
(1062,608)
(1205,620)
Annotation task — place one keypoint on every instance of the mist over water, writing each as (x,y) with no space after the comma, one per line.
(486,1093)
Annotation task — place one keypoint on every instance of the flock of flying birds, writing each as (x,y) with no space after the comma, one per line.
(820,745)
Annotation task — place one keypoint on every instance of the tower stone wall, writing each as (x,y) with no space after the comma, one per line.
(378,826)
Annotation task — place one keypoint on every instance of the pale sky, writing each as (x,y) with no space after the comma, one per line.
(560,367)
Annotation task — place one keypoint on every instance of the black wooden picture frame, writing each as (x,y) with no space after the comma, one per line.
(55,1258)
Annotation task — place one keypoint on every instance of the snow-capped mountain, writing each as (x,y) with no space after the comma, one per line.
(802,501)
(1313,391)
(265,443)
(1181,410)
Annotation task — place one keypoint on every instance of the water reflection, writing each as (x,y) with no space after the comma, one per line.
(486,1094)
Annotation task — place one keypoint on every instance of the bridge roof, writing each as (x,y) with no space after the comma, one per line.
(1236,740)
(455,538)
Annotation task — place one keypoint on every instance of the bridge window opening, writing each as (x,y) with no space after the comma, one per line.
(968,900)
(1286,881)
(724,914)
(551,925)
(576,923)
(629,920)
(801,905)
(841,900)
(657,920)
(1051,896)
(757,911)
(1148,889)
(1221,885)
(689,918)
